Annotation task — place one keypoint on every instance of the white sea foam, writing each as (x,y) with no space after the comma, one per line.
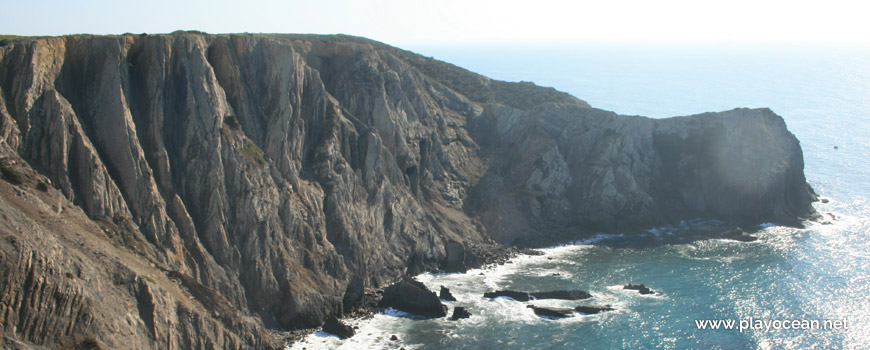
(766,225)
(373,333)
(596,239)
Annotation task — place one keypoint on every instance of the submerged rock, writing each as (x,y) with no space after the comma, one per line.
(412,296)
(738,235)
(592,309)
(638,287)
(558,312)
(518,296)
(562,294)
(460,312)
(335,326)
(575,294)
(445,294)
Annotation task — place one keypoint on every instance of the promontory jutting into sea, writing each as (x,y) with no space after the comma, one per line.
(273,191)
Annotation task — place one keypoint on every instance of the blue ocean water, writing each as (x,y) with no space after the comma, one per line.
(818,273)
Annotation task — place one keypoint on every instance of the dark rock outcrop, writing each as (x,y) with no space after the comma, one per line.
(526,296)
(557,312)
(412,296)
(560,312)
(562,294)
(445,294)
(459,313)
(335,326)
(518,296)
(260,182)
(455,261)
(592,309)
(642,289)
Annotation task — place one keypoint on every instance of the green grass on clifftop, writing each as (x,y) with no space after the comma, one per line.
(8,39)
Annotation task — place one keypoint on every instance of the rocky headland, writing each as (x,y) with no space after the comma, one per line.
(212,191)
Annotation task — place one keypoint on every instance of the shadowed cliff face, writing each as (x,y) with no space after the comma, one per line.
(564,169)
(276,178)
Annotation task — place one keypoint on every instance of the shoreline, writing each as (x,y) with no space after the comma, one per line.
(683,233)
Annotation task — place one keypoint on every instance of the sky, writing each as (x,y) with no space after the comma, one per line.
(405,22)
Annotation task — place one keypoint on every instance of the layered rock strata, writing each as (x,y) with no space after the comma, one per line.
(201,189)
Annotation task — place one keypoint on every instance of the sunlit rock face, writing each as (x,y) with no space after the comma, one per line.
(226,184)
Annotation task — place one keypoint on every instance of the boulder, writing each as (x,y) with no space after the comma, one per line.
(335,326)
(559,312)
(445,294)
(455,261)
(592,309)
(638,287)
(460,312)
(562,294)
(518,296)
(412,296)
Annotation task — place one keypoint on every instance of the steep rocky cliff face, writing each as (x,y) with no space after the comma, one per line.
(558,169)
(205,188)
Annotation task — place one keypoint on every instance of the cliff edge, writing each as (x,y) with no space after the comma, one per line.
(198,191)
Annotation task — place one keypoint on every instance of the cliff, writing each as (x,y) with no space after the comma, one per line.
(198,191)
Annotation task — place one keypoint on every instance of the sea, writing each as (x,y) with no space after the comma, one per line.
(791,289)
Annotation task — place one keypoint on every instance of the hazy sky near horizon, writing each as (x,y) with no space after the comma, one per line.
(406,22)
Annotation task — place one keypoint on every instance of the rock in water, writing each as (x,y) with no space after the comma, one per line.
(638,287)
(525,296)
(592,309)
(412,296)
(335,326)
(562,294)
(460,312)
(518,296)
(445,294)
(558,312)
(739,235)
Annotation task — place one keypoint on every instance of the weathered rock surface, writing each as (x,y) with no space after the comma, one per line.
(460,312)
(335,326)
(575,294)
(557,312)
(564,169)
(642,289)
(526,296)
(65,282)
(412,296)
(592,309)
(561,312)
(267,181)
(455,260)
(445,294)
